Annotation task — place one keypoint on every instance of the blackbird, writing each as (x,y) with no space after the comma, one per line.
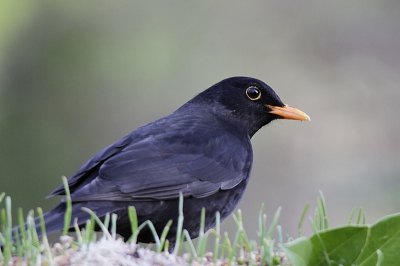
(202,150)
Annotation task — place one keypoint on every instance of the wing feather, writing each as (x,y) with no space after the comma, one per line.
(159,167)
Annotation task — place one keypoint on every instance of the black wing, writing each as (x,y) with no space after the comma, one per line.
(159,166)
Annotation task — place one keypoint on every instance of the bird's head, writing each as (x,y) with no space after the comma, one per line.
(246,102)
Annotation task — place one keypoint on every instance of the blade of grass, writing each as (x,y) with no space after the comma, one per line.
(68,211)
(359,216)
(18,244)
(166,245)
(3,224)
(180,225)
(136,229)
(78,232)
(202,238)
(271,229)
(190,243)
(33,244)
(316,232)
(351,215)
(9,220)
(146,223)
(164,236)
(114,218)
(324,210)
(279,232)
(89,236)
(218,236)
(364,217)
(155,235)
(134,224)
(4,250)
(22,227)
(44,237)
(99,222)
(320,216)
(106,221)
(262,219)
(227,246)
(240,233)
(268,249)
(303,217)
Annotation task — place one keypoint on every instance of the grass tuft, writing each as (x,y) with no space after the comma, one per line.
(27,248)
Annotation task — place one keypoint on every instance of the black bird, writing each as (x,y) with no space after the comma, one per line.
(202,149)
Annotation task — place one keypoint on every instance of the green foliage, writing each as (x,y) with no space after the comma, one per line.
(358,244)
(378,244)
(341,245)
(352,244)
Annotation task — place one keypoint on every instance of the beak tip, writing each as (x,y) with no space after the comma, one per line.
(288,112)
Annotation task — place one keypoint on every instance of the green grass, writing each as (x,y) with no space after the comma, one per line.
(241,250)
(352,244)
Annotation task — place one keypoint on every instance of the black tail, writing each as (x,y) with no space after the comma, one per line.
(54,220)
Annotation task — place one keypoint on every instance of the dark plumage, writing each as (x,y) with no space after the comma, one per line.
(202,149)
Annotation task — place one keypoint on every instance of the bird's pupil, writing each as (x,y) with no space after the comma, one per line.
(253,93)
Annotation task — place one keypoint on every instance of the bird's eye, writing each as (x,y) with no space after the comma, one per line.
(253,93)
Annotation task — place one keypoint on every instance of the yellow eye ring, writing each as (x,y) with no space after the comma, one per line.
(253,93)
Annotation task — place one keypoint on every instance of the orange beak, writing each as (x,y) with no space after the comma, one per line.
(287,112)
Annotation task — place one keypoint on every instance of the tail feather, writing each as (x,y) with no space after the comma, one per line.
(54,219)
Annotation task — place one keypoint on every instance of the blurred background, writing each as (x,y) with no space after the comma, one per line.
(77,76)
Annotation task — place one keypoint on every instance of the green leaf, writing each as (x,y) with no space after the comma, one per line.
(385,236)
(341,245)
(360,245)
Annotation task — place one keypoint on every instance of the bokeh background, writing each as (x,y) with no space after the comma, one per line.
(75,76)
